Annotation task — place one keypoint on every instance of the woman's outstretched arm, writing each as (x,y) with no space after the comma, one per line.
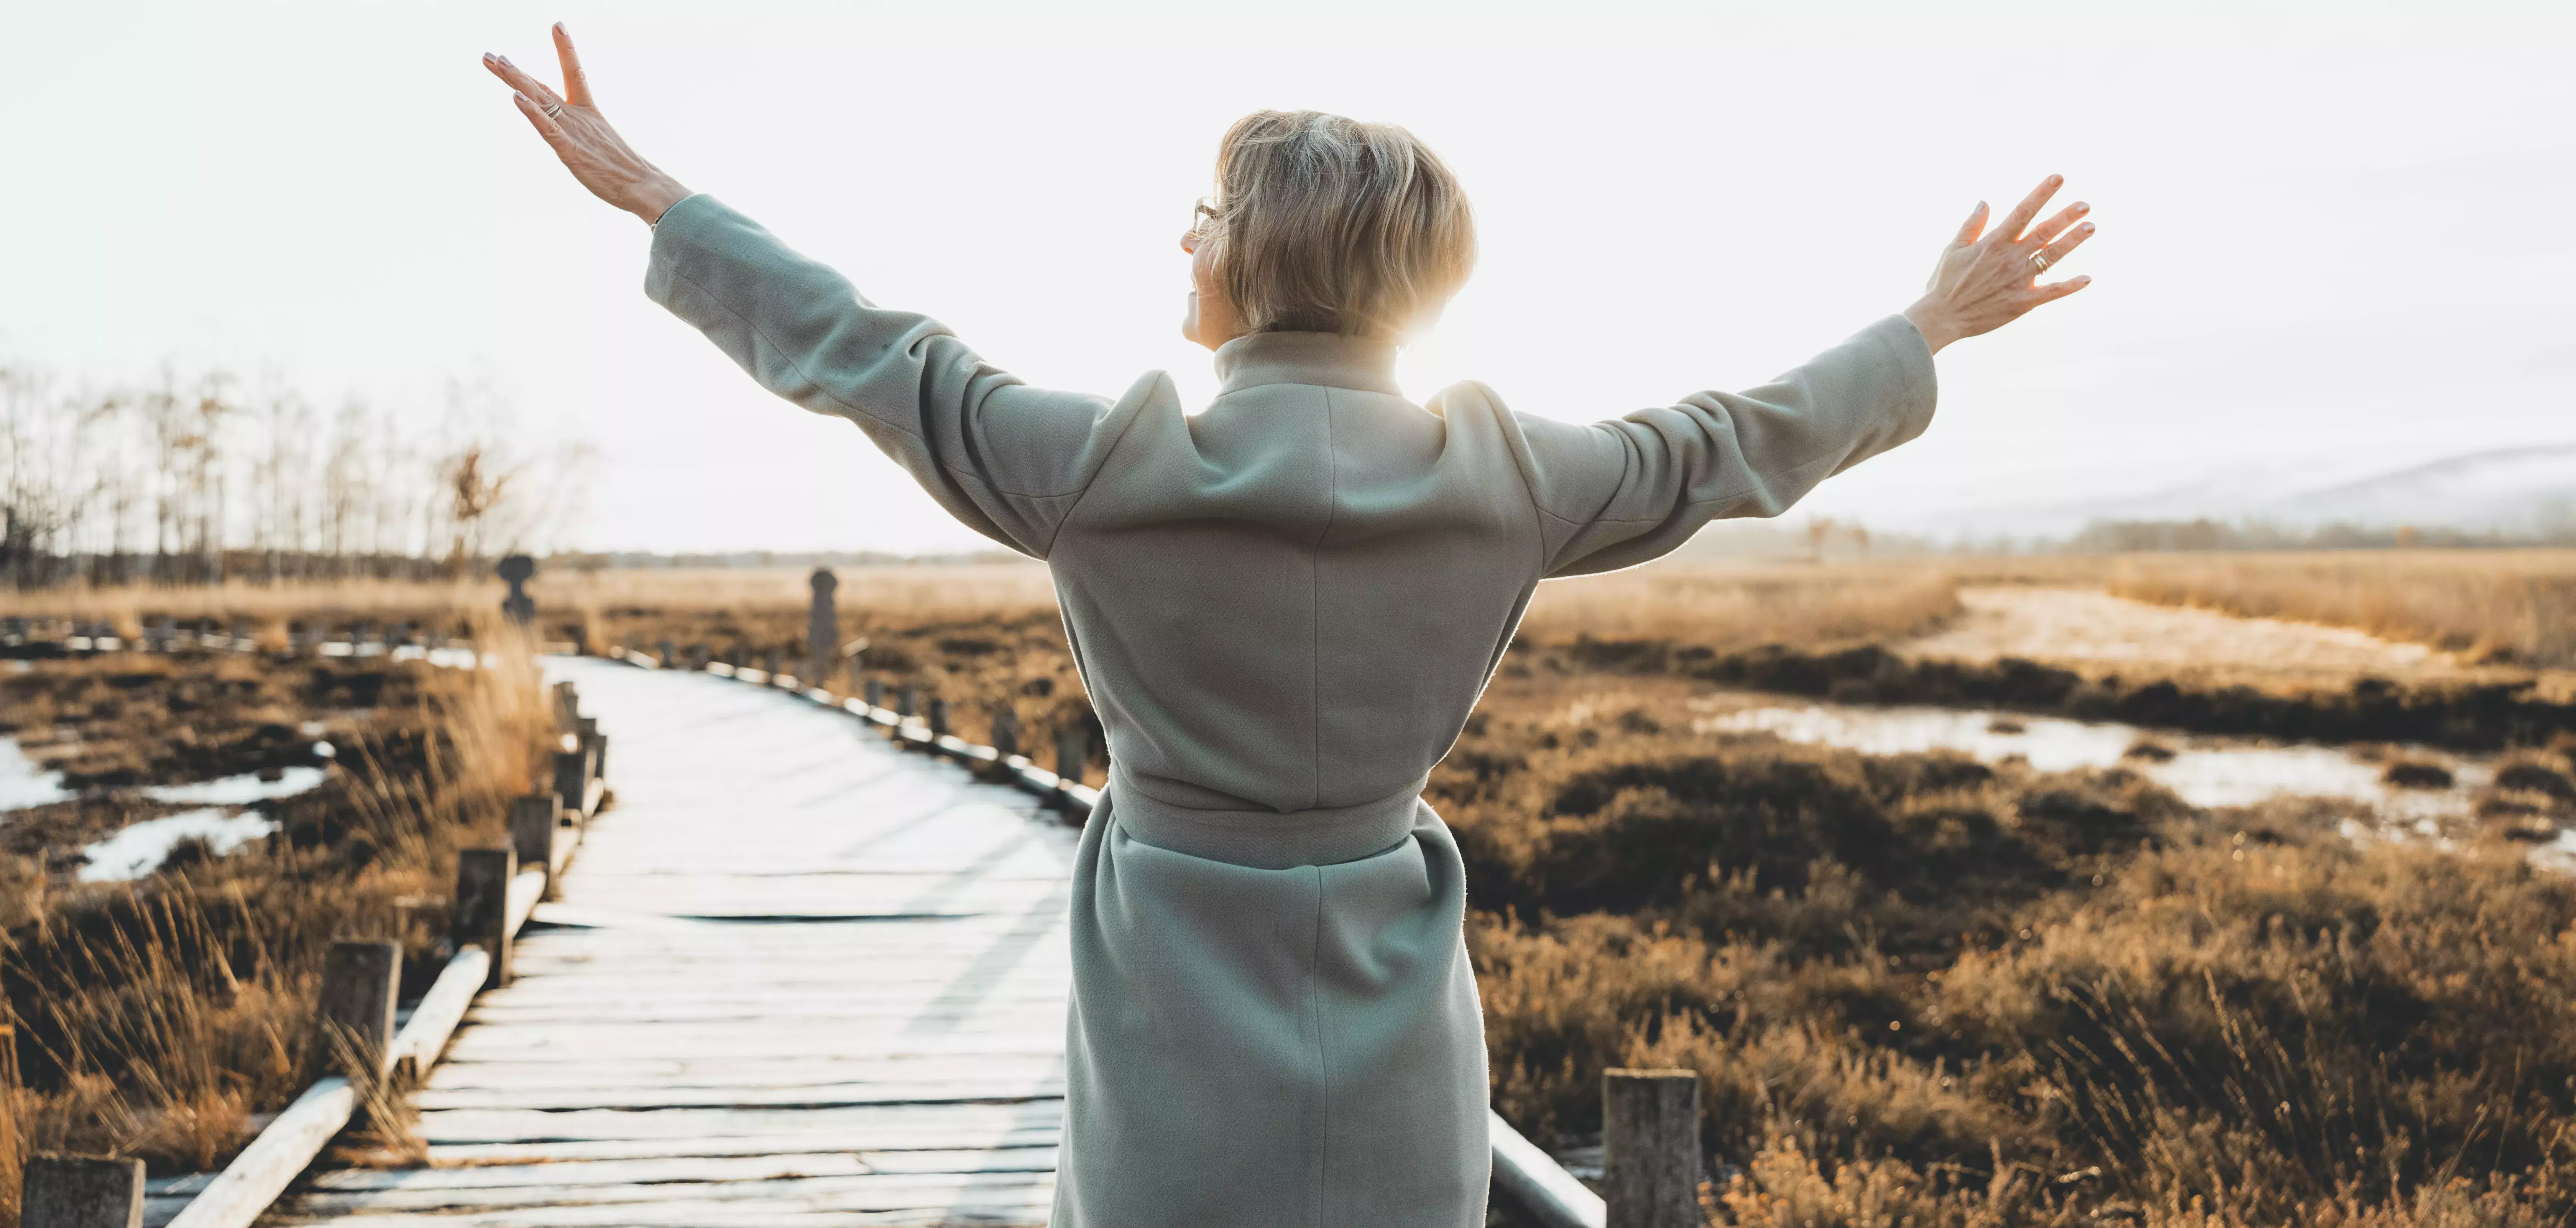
(1616,493)
(1006,459)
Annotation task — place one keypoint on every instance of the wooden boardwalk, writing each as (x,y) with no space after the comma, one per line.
(796,977)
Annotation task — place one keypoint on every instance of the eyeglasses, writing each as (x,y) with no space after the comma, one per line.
(1201,214)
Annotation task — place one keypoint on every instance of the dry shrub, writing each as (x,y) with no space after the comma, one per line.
(1923,991)
(156,1017)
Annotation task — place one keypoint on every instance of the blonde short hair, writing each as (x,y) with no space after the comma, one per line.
(1328,225)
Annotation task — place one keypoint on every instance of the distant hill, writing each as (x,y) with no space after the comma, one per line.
(2513,492)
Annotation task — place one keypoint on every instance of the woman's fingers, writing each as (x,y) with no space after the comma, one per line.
(547,128)
(2057,290)
(2015,221)
(535,90)
(2068,242)
(576,86)
(2057,223)
(1974,226)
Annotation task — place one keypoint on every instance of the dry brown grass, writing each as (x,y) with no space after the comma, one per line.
(1921,990)
(2508,606)
(156,1017)
(1736,606)
(268,607)
(929,589)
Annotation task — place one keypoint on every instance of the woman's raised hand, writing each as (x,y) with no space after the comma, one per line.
(1986,280)
(590,149)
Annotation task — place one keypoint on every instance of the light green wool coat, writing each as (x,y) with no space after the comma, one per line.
(1284,609)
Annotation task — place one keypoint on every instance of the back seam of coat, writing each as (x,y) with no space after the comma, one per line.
(1315,590)
(1323,1061)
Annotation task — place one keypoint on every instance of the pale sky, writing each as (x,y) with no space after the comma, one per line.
(2331,233)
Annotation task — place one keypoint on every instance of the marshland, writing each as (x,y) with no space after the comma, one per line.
(1949,932)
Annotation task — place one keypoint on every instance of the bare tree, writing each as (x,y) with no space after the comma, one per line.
(187,479)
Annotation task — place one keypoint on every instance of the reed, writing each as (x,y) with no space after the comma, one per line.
(1925,990)
(157,1017)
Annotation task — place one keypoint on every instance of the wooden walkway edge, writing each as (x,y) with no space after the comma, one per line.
(798,977)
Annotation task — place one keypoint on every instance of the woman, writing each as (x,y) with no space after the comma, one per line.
(1284,609)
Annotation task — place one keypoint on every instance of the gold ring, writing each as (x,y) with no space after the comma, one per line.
(2039,261)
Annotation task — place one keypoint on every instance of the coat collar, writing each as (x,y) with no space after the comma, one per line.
(1365,364)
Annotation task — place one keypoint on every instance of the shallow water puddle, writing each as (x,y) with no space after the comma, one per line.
(140,848)
(24,782)
(239,790)
(2205,771)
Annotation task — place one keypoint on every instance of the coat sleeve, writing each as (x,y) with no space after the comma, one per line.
(1007,459)
(1617,493)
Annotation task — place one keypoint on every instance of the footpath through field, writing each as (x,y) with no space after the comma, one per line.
(2088,627)
(796,977)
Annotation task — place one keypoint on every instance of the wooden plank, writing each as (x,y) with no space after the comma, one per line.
(785,1010)
(570,1174)
(880,1143)
(255,1177)
(1023,1213)
(425,1035)
(580,980)
(815,1096)
(895,1124)
(1534,1181)
(863,1192)
(498,1044)
(730,1071)
(526,888)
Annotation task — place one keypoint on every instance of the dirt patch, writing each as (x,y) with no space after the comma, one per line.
(2084,627)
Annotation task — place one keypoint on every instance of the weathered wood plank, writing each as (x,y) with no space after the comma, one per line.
(432,1022)
(785,1012)
(570,1174)
(863,1192)
(881,1143)
(892,1124)
(1026,1211)
(513,1044)
(731,1071)
(810,1096)
(252,1181)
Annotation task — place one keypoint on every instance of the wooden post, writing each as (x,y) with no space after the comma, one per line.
(357,1003)
(938,718)
(534,821)
(516,571)
(81,1192)
(822,628)
(874,691)
(1006,732)
(483,907)
(772,663)
(907,700)
(1650,1154)
(567,706)
(572,779)
(665,660)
